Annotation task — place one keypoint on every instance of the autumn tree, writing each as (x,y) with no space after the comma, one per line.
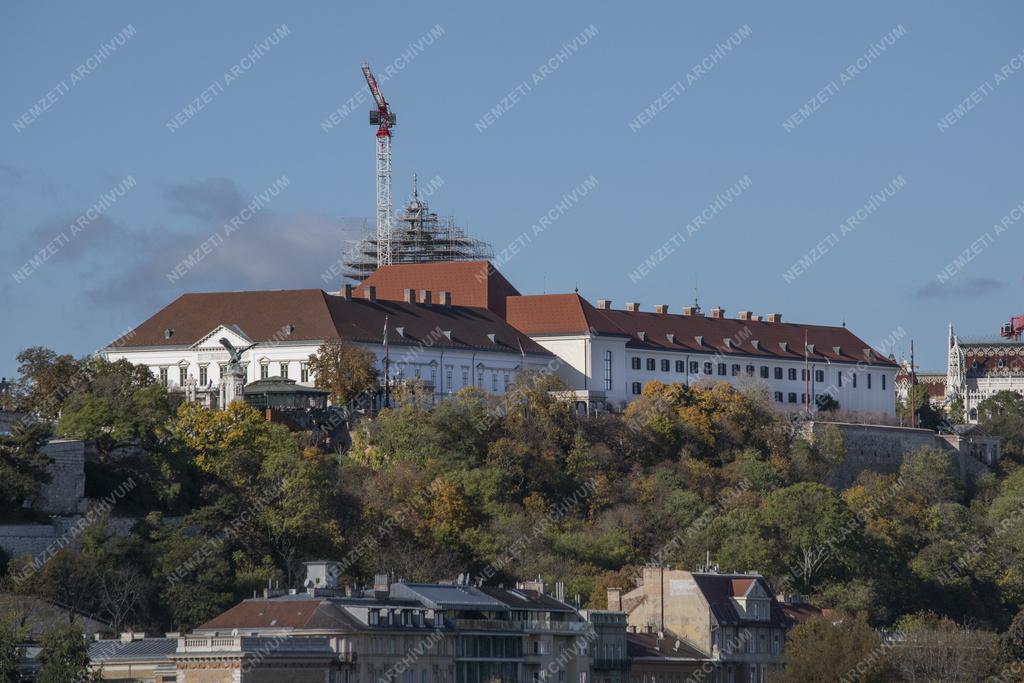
(346,370)
(826,649)
(932,648)
(9,653)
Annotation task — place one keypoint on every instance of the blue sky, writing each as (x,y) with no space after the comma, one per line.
(716,102)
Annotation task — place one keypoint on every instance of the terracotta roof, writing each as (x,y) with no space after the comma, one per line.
(471,283)
(316,315)
(801,612)
(272,614)
(572,314)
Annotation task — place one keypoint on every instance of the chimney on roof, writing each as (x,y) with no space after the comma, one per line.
(425,296)
(346,292)
(370,293)
(775,317)
(604,304)
(633,306)
(444,298)
(381,583)
(745,315)
(755,318)
(535,585)
(614,600)
(409,295)
(717,312)
(688,310)
(560,591)
(661,308)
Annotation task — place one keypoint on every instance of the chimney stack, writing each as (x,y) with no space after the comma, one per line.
(409,295)
(371,293)
(775,317)
(444,298)
(346,292)
(604,304)
(745,315)
(661,308)
(717,312)
(425,296)
(614,600)
(633,306)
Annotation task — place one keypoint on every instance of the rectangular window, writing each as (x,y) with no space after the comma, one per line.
(708,368)
(792,397)
(636,388)
(721,368)
(778,396)
(651,364)
(735,369)
(163,376)
(480,377)
(607,371)
(694,367)
(819,375)
(803,375)
(494,382)
(765,372)
(203,375)
(636,362)
(264,371)
(505,382)
(869,380)
(778,373)
(803,399)
(664,365)
(681,366)
(883,382)
(182,375)
(839,378)
(465,375)
(792,374)
(448,377)
(284,369)
(750,370)
(303,372)
(854,375)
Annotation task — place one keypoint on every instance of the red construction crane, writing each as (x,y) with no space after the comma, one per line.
(1013,329)
(384,119)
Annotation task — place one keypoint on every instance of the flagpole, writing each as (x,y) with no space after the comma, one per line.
(807,379)
(387,367)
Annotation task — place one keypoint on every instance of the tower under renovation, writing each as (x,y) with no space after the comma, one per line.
(416,235)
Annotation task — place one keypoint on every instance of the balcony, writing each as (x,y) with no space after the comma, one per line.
(570,627)
(610,664)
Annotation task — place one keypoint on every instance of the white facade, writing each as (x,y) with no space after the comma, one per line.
(199,367)
(979,369)
(603,366)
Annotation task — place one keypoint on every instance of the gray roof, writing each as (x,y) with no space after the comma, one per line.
(440,596)
(145,649)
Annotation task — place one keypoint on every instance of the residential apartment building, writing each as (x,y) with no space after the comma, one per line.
(396,632)
(729,626)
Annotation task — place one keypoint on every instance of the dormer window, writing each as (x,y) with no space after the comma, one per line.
(374,617)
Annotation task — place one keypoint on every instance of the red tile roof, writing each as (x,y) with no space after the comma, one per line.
(572,314)
(471,283)
(316,315)
(266,614)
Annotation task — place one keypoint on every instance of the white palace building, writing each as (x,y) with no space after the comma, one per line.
(458,324)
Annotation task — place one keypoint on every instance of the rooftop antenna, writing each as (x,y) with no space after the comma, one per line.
(696,300)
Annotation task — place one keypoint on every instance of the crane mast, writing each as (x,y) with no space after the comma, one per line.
(384,119)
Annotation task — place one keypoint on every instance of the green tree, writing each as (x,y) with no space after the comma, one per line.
(64,656)
(811,528)
(23,467)
(346,370)
(919,402)
(9,653)
(825,649)
(46,380)
(1002,414)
